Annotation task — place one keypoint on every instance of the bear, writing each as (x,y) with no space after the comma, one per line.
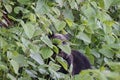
(78,61)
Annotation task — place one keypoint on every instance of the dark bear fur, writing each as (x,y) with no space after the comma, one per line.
(76,59)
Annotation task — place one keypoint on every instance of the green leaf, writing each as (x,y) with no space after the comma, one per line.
(31,73)
(111,75)
(1,14)
(88,11)
(3,66)
(46,52)
(116,2)
(15,66)
(66,48)
(83,37)
(106,52)
(11,76)
(37,57)
(3,43)
(23,78)
(73,4)
(110,39)
(59,25)
(68,14)
(107,4)
(57,41)
(55,49)
(60,2)
(56,10)
(32,17)
(23,1)
(38,32)
(8,8)
(62,62)
(69,22)
(25,42)
(20,59)
(17,9)
(41,7)
(54,66)
(29,29)
(47,41)
(114,66)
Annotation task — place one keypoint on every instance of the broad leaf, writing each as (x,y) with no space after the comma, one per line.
(29,29)
(37,57)
(106,52)
(47,41)
(15,66)
(65,48)
(84,37)
(62,62)
(46,52)
(8,8)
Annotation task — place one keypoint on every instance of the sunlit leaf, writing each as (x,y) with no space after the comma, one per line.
(62,62)
(29,29)
(47,41)
(37,57)
(65,48)
(23,1)
(11,76)
(46,52)
(8,8)
(15,66)
(84,37)
(41,7)
(107,53)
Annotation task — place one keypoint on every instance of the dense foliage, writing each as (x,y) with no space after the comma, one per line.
(25,46)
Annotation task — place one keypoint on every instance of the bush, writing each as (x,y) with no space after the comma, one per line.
(25,46)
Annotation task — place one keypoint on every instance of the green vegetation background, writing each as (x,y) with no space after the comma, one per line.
(94,26)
